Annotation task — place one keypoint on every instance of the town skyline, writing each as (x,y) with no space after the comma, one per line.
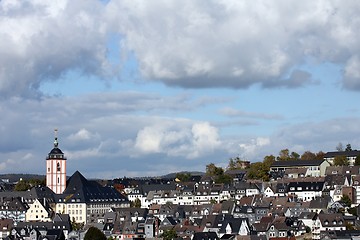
(141,88)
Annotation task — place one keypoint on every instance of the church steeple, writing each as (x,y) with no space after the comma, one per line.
(56,143)
(56,168)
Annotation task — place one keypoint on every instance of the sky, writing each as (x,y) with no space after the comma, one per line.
(145,88)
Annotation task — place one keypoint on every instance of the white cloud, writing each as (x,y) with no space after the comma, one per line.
(232,44)
(178,139)
(205,139)
(250,150)
(82,134)
(352,73)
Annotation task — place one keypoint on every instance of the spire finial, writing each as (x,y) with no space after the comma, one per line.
(55,141)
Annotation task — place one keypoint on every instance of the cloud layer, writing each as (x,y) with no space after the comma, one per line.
(193,44)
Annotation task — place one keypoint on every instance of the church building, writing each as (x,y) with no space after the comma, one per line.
(56,169)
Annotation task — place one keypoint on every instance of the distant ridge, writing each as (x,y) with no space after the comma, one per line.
(14,177)
(173,175)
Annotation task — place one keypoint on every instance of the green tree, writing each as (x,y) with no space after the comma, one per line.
(348,147)
(320,155)
(183,177)
(357,160)
(94,233)
(76,226)
(283,155)
(22,185)
(258,170)
(136,203)
(212,170)
(232,164)
(341,161)
(168,234)
(294,156)
(223,178)
(37,182)
(353,211)
(346,200)
(308,155)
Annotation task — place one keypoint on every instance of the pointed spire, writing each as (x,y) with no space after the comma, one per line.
(56,143)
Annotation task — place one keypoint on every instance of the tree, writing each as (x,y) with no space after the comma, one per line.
(346,200)
(348,147)
(294,156)
(258,170)
(183,177)
(341,161)
(168,234)
(232,164)
(212,170)
(268,161)
(340,147)
(76,226)
(94,233)
(352,211)
(357,160)
(320,155)
(307,155)
(283,155)
(22,185)
(236,163)
(136,203)
(223,178)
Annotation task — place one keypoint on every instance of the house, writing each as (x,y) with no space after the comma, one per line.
(328,222)
(279,229)
(13,208)
(247,212)
(205,236)
(306,191)
(295,172)
(314,168)
(270,191)
(235,226)
(151,227)
(350,156)
(320,204)
(356,185)
(39,211)
(5,227)
(58,222)
(245,189)
(342,170)
(308,219)
(340,234)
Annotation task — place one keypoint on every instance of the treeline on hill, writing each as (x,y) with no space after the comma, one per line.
(260,170)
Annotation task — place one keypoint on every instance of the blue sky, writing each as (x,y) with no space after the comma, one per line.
(144,88)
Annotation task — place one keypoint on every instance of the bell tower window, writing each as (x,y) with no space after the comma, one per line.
(58,167)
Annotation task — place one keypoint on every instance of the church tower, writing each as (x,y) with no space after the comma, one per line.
(56,169)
